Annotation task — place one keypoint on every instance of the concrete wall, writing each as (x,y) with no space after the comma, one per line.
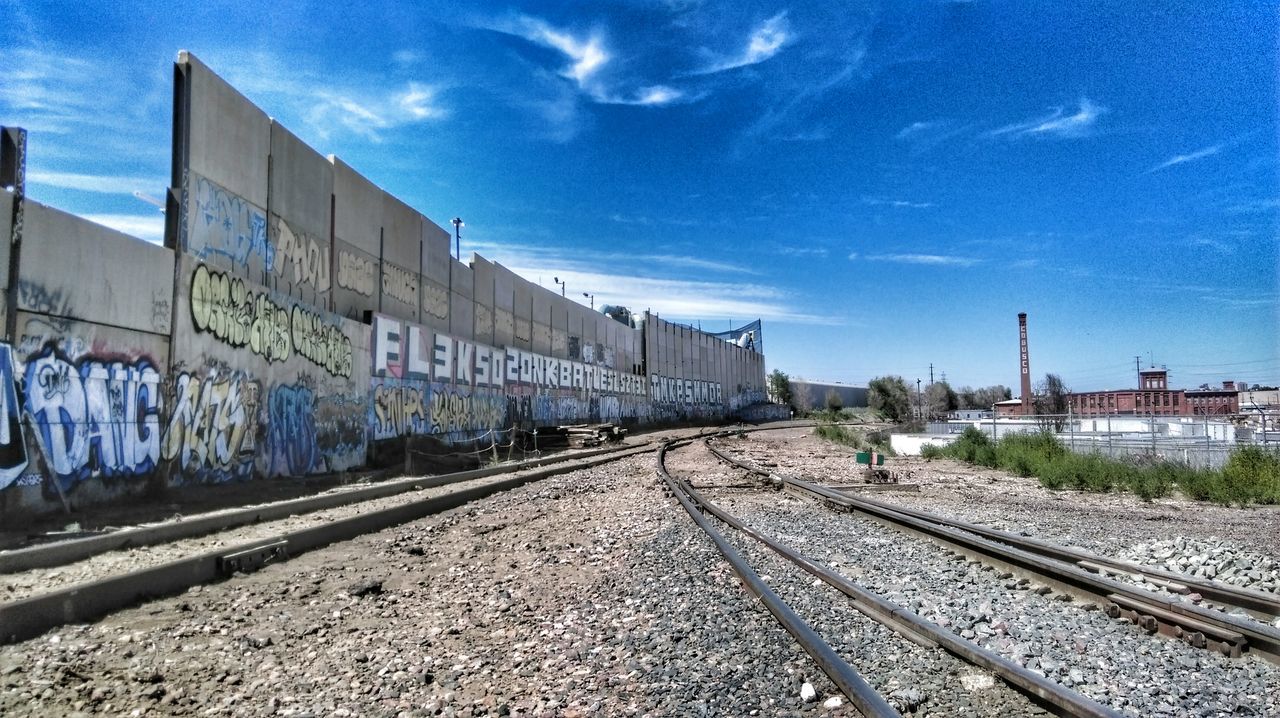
(694,376)
(299,320)
(82,377)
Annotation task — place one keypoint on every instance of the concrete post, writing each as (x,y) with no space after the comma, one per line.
(13,173)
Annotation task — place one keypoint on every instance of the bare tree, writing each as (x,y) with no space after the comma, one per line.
(1051,401)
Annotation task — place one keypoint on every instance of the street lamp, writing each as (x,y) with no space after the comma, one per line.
(593,299)
(457,237)
(919,402)
(557,281)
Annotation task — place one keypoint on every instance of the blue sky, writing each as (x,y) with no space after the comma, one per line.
(886,185)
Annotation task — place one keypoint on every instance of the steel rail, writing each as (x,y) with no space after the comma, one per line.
(1266,605)
(860,693)
(64,552)
(32,616)
(1229,634)
(1058,699)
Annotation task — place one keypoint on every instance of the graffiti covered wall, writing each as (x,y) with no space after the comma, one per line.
(263,384)
(427,382)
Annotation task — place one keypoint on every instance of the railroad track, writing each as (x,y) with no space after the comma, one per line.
(49,585)
(923,634)
(1078,573)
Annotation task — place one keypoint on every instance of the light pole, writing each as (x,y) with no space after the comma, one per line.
(457,237)
(919,402)
(592,297)
(557,281)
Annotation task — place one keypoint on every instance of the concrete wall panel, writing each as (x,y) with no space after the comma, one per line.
(435,305)
(400,289)
(226,230)
(290,382)
(230,137)
(401,233)
(301,183)
(75,269)
(356,281)
(357,208)
(6,233)
(483,276)
(462,318)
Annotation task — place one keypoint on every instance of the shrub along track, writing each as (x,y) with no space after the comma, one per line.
(1222,684)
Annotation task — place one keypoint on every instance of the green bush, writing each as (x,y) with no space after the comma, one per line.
(1252,475)
(932,451)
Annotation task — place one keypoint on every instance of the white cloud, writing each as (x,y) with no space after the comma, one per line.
(927,259)
(1057,123)
(605,275)
(765,41)
(880,201)
(145,226)
(365,106)
(588,56)
(106,184)
(915,128)
(1179,159)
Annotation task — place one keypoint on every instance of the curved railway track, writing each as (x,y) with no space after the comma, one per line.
(924,634)
(1081,574)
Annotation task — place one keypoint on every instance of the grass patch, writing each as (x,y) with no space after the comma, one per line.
(871,441)
(1251,475)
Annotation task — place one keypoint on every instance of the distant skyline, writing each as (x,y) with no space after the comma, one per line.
(885,185)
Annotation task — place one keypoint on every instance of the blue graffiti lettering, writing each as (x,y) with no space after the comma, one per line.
(291,437)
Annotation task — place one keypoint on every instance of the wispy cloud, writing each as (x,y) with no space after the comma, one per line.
(916,128)
(105,184)
(1190,157)
(1214,244)
(606,275)
(766,40)
(880,201)
(817,134)
(940,260)
(803,251)
(144,226)
(368,106)
(588,56)
(1057,123)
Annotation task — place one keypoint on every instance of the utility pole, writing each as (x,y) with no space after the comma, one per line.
(930,373)
(1137,363)
(919,401)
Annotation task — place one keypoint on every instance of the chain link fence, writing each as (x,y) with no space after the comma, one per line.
(1193,441)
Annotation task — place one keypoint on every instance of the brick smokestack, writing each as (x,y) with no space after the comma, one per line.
(1025,365)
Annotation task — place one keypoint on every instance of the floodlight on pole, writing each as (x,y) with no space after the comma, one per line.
(592,297)
(457,237)
(557,281)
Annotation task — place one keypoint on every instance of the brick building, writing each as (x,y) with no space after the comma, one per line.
(1214,402)
(1152,397)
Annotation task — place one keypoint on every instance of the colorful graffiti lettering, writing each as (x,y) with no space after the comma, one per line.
(13,445)
(453,411)
(291,434)
(399,410)
(355,273)
(95,419)
(226,225)
(211,431)
(223,306)
(302,254)
(321,343)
